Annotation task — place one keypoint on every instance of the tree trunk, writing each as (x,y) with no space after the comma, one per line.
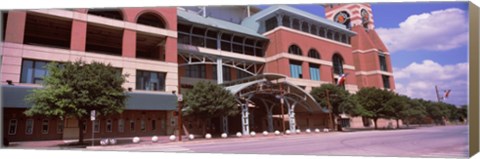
(398,126)
(375,123)
(80,129)
(204,125)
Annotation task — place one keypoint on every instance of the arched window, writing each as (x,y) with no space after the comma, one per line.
(286,21)
(305,27)
(337,64)
(313,54)
(151,19)
(296,24)
(107,13)
(365,18)
(294,49)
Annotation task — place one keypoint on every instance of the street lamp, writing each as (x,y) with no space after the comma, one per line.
(179,114)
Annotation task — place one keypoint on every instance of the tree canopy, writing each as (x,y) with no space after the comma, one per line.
(207,100)
(374,103)
(73,89)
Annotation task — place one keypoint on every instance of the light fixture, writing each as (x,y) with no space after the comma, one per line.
(173,92)
(129,89)
(10,82)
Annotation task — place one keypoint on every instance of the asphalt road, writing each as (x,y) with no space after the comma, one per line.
(439,141)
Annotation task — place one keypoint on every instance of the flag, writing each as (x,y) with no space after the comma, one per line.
(447,92)
(341,80)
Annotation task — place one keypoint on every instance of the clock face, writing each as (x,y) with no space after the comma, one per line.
(341,18)
(365,16)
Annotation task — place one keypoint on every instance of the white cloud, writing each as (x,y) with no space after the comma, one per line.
(435,31)
(418,80)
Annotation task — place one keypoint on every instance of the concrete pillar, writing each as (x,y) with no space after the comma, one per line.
(15,28)
(219,71)
(78,36)
(225,124)
(129,43)
(305,70)
(171,50)
(269,115)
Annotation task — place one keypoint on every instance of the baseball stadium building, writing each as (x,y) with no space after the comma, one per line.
(270,59)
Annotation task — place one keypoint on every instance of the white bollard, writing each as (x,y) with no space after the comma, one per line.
(287,132)
(317,130)
(136,140)
(265,133)
(154,139)
(208,136)
(325,130)
(253,133)
(104,142)
(298,131)
(191,137)
(239,134)
(112,141)
(277,132)
(172,138)
(224,135)
(308,131)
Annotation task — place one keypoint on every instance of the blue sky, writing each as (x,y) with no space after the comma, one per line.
(427,43)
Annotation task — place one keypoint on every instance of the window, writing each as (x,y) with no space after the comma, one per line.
(386,81)
(337,64)
(33,71)
(286,21)
(313,30)
(226,73)
(315,72)
(109,125)
(163,123)
(294,49)
(305,27)
(383,62)
(45,126)
(271,23)
(41,30)
(84,126)
(296,24)
(60,126)
(195,71)
(151,19)
(242,74)
(96,126)
(313,54)
(29,126)
(296,69)
(154,124)
(121,125)
(12,127)
(142,125)
(152,81)
(132,125)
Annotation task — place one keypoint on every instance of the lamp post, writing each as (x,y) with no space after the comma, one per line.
(281,106)
(330,108)
(179,114)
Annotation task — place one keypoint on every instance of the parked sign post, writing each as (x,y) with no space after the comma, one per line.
(92,117)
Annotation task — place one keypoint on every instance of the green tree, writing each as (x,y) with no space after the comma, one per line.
(397,107)
(340,99)
(207,100)
(462,112)
(373,101)
(73,89)
(415,111)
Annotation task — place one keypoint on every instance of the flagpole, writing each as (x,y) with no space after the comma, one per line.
(436,91)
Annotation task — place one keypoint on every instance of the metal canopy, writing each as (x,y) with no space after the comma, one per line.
(272,85)
(14,97)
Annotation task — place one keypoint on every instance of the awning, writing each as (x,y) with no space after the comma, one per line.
(14,97)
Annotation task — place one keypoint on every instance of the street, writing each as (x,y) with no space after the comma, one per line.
(438,141)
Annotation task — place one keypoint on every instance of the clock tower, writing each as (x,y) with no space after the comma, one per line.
(371,57)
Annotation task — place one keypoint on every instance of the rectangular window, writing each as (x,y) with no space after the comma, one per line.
(121,125)
(84,126)
(33,71)
(152,81)
(96,126)
(109,125)
(271,24)
(60,126)
(315,72)
(45,126)
(386,81)
(154,124)
(142,125)
(195,71)
(12,127)
(132,125)
(29,126)
(242,74)
(383,62)
(296,69)
(226,73)
(163,123)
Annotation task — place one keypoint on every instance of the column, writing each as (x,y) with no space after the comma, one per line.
(129,43)
(219,71)
(15,28)
(78,36)
(171,50)
(269,115)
